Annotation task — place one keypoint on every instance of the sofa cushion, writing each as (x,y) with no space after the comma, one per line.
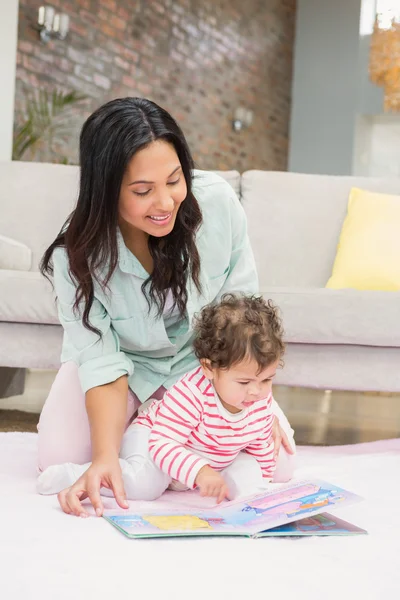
(30,346)
(14,255)
(324,316)
(294,222)
(368,255)
(26,297)
(36,199)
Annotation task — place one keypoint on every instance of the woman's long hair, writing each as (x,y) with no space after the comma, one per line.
(109,139)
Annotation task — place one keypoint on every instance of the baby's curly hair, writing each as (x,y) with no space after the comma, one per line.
(239,328)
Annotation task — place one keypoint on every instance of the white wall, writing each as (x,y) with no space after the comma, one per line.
(331,88)
(377,135)
(8,54)
(377,146)
(325,86)
(370,96)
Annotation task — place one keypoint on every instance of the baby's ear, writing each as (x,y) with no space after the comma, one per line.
(207,369)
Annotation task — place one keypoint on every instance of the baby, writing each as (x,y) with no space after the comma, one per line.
(213,429)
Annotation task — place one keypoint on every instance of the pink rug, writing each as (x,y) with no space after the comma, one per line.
(45,554)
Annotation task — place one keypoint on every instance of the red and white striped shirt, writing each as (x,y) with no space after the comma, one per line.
(190,428)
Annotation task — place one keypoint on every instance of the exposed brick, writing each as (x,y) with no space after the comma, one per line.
(83,73)
(96,64)
(32,64)
(124,13)
(178,33)
(45,56)
(144,88)
(123,64)
(178,8)
(78,28)
(59,77)
(63,63)
(25,47)
(102,55)
(130,55)
(110,4)
(89,18)
(28,78)
(118,23)
(200,60)
(159,7)
(76,55)
(101,81)
(81,86)
(129,82)
(177,56)
(190,64)
(147,64)
(123,51)
(108,30)
(104,14)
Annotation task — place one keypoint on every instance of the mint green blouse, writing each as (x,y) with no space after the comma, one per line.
(152,350)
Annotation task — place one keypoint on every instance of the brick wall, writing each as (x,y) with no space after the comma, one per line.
(199,59)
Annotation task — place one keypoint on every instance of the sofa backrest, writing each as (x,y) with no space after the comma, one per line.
(295,220)
(36,199)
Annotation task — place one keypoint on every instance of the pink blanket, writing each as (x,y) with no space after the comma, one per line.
(45,554)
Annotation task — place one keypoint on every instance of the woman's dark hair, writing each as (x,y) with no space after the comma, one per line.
(239,328)
(109,139)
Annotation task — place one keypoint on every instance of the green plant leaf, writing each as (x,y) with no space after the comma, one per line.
(47,116)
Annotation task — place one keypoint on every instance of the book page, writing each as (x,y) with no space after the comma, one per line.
(245,517)
(290,503)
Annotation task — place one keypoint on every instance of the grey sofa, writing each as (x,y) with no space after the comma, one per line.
(342,339)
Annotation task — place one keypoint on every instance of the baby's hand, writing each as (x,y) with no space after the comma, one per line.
(211,483)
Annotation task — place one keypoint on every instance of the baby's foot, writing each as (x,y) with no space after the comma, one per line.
(56,478)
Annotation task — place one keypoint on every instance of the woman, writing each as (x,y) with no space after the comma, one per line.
(149,243)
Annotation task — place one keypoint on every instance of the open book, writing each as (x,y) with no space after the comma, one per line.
(266,514)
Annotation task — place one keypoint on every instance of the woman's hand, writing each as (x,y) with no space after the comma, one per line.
(280,438)
(106,407)
(211,483)
(101,473)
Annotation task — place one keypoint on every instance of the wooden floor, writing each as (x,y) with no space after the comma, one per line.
(319,417)
(338,417)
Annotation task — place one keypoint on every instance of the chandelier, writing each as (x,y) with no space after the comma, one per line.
(384,60)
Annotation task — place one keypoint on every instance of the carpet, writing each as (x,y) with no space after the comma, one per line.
(45,554)
(18,420)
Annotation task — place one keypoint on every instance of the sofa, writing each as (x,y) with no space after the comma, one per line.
(336,339)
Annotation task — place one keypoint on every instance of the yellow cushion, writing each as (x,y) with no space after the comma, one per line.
(368,254)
